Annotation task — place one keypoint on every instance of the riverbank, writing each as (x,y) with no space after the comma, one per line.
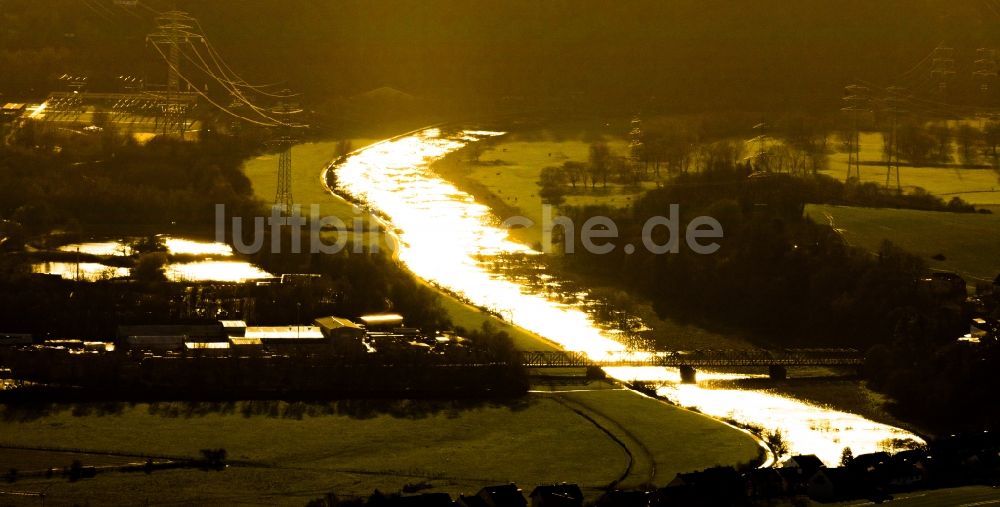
(290,452)
(844,395)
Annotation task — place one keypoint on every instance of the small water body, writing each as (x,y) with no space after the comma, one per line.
(447,238)
(210,264)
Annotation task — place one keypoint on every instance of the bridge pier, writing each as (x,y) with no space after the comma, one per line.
(777,372)
(688,374)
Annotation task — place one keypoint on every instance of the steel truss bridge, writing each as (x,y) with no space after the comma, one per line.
(696,358)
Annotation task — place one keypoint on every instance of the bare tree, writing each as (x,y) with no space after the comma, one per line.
(600,163)
(574,172)
(968,138)
(941,134)
(991,138)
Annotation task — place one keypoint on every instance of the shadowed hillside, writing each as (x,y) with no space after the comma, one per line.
(687,54)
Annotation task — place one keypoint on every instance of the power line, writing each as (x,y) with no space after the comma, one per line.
(209,99)
(913,69)
(102,15)
(176,30)
(228,86)
(232,75)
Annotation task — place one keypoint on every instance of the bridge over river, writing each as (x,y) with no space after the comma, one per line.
(776,361)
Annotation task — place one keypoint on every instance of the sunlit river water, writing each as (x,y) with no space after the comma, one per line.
(448,239)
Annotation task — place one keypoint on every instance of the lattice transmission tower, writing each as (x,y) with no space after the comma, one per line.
(283,142)
(894,106)
(857,100)
(173,28)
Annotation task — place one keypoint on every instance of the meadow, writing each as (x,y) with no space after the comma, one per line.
(506,178)
(968,242)
(976,186)
(286,454)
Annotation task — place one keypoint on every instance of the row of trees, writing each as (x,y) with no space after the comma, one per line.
(921,143)
(665,147)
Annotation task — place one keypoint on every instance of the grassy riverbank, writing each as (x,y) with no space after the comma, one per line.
(287,457)
(506,175)
(288,453)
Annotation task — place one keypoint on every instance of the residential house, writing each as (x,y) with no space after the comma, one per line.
(618,498)
(716,487)
(504,495)
(422,500)
(830,484)
(764,483)
(557,495)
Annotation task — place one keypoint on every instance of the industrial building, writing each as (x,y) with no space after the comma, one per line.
(331,335)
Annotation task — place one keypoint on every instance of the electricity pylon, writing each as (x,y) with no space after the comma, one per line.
(857,101)
(943,67)
(284,142)
(173,28)
(986,72)
(894,102)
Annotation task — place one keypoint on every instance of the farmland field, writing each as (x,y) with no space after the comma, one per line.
(977,186)
(289,453)
(969,242)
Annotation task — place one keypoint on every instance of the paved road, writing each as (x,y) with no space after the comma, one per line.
(970,496)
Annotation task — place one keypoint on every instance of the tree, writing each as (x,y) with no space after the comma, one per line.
(721,155)
(574,172)
(677,146)
(552,179)
(913,143)
(150,267)
(846,457)
(941,135)
(624,170)
(776,442)
(991,139)
(475,150)
(967,137)
(600,163)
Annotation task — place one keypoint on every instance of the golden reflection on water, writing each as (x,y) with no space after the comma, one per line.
(89,271)
(199,271)
(177,246)
(807,428)
(442,235)
(442,231)
(216,271)
(107,248)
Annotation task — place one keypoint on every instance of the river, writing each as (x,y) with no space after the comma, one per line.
(447,238)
